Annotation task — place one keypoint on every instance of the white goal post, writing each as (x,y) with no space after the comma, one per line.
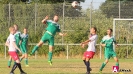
(119,19)
(123,22)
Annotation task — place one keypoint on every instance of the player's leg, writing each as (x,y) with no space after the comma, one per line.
(25,55)
(88,65)
(84,60)
(107,57)
(17,64)
(51,47)
(21,58)
(43,40)
(9,61)
(117,61)
(50,54)
(89,56)
(36,47)
(115,58)
(22,50)
(104,64)
(26,60)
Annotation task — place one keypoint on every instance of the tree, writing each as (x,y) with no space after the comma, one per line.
(38,1)
(111,8)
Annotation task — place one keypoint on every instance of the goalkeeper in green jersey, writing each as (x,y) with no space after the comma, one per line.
(52,28)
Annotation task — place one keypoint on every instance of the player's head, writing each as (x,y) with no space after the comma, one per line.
(15,26)
(56,18)
(25,30)
(109,31)
(12,30)
(93,30)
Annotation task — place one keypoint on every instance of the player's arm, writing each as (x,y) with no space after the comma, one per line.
(89,40)
(115,43)
(44,21)
(84,43)
(102,43)
(14,44)
(62,34)
(7,44)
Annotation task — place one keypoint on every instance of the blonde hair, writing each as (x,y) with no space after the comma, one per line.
(15,25)
(11,28)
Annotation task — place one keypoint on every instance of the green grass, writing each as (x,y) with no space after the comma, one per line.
(64,66)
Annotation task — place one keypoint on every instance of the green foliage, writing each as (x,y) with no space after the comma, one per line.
(119,0)
(37,1)
(111,8)
(75,25)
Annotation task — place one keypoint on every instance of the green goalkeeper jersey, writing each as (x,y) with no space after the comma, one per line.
(24,39)
(108,41)
(17,37)
(52,27)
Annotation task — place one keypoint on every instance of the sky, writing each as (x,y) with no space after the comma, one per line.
(96,4)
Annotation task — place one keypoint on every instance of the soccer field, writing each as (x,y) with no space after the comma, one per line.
(64,66)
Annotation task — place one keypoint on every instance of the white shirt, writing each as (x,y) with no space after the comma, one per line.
(92,43)
(11,39)
(8,40)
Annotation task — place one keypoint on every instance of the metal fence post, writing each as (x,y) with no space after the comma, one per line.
(127,52)
(9,15)
(100,52)
(119,9)
(5,52)
(63,20)
(114,32)
(67,51)
(35,16)
(91,13)
(35,54)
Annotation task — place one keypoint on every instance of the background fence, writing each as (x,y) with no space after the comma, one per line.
(75,22)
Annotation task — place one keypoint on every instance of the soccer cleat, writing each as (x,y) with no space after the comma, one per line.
(100,72)
(87,72)
(26,65)
(90,69)
(8,66)
(23,73)
(50,62)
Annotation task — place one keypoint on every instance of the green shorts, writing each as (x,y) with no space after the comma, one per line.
(47,37)
(109,54)
(23,48)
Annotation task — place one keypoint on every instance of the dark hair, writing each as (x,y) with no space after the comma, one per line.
(110,29)
(25,28)
(95,29)
(55,15)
